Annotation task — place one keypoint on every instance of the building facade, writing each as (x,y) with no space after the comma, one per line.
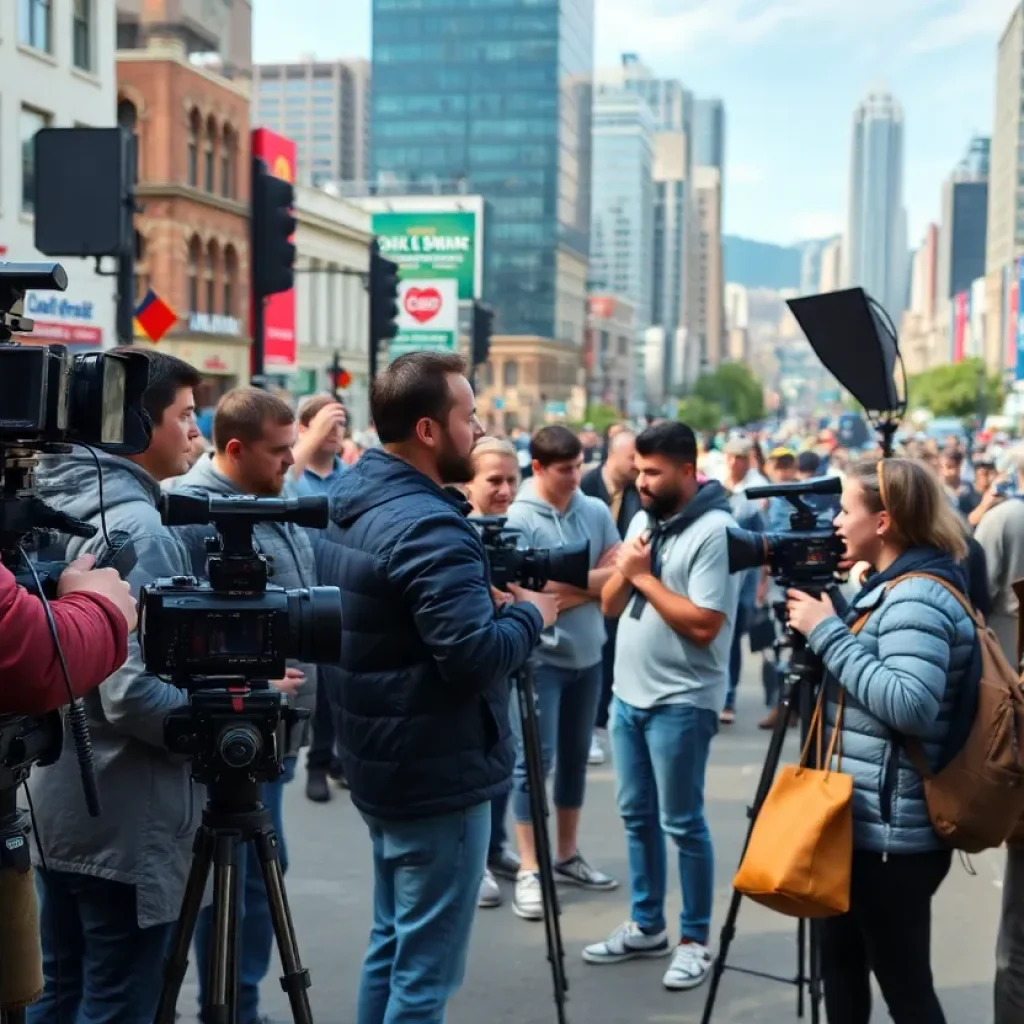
(831,273)
(1005,229)
(502,104)
(706,326)
(875,247)
(222,27)
(193,236)
(622,212)
(961,256)
(709,134)
(608,351)
(332,308)
(56,70)
(672,194)
(324,106)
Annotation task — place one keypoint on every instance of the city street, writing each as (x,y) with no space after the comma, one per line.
(508,978)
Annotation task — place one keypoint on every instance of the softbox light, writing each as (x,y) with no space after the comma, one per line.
(855,340)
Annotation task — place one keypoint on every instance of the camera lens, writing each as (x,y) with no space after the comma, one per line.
(238,745)
(314,624)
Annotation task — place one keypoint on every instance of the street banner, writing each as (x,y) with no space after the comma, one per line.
(428,316)
(279,354)
(432,246)
(1018,320)
(961,313)
(1011,293)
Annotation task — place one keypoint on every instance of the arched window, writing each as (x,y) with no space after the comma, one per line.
(511,374)
(212,254)
(195,256)
(228,162)
(209,154)
(128,118)
(230,280)
(195,127)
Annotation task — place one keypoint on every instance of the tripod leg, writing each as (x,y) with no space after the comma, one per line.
(815,983)
(542,844)
(295,979)
(771,764)
(176,963)
(221,1004)
(801,965)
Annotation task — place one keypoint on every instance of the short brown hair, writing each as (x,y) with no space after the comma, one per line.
(311,406)
(242,414)
(555,444)
(920,513)
(413,387)
(167,376)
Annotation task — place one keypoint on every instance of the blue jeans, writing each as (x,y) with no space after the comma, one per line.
(256,938)
(427,874)
(566,708)
(743,613)
(109,969)
(660,756)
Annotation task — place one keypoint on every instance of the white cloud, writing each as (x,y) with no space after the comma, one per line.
(743,174)
(960,25)
(816,225)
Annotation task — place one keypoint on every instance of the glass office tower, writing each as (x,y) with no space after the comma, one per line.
(494,97)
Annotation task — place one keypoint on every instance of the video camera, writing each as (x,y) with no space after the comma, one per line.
(222,639)
(807,556)
(531,568)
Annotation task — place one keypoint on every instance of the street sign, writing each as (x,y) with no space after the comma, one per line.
(428,316)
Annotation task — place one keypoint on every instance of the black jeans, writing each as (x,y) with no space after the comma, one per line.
(322,754)
(611,627)
(886,932)
(1010,951)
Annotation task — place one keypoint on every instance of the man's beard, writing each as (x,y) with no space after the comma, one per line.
(452,467)
(662,505)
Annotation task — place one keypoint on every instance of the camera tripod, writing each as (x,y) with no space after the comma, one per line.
(526,700)
(803,675)
(233,736)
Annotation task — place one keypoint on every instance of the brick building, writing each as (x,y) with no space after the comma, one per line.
(193,172)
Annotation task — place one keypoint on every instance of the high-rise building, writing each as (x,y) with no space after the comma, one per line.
(961,255)
(706,325)
(221,27)
(622,199)
(54,72)
(671,220)
(324,106)
(709,134)
(502,105)
(831,273)
(1004,239)
(670,103)
(924,275)
(875,249)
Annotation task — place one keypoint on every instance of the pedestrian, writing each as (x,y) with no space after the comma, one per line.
(904,673)
(677,602)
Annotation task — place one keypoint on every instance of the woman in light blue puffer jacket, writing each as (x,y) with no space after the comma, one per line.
(912,670)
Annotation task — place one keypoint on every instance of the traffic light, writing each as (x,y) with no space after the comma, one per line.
(383,289)
(483,325)
(273,225)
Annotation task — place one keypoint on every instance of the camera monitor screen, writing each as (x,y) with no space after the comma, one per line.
(229,636)
(112,417)
(22,391)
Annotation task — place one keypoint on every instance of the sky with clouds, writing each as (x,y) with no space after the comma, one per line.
(790,73)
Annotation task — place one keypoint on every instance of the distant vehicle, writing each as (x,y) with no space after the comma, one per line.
(852,430)
(943,427)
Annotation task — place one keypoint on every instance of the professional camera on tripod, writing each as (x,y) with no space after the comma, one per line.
(533,568)
(50,399)
(221,641)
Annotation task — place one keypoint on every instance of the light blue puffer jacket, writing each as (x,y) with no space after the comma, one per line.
(902,673)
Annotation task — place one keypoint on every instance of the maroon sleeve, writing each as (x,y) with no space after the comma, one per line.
(93,635)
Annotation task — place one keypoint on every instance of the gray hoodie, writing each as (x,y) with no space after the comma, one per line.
(287,547)
(577,638)
(150,811)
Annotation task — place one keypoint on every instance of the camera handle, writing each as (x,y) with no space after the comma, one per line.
(526,701)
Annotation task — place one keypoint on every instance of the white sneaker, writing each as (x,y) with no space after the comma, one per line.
(627,942)
(691,964)
(490,894)
(528,901)
(596,755)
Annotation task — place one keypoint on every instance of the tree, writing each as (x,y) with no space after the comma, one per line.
(601,416)
(956,390)
(699,414)
(735,389)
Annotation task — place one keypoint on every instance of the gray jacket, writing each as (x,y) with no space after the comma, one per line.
(1001,535)
(150,807)
(577,638)
(287,547)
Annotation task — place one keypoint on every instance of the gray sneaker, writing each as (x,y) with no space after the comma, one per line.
(504,864)
(627,942)
(490,894)
(528,901)
(576,871)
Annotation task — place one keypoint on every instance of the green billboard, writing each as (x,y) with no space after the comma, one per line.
(431,246)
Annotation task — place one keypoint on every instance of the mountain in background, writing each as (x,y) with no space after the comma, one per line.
(762,264)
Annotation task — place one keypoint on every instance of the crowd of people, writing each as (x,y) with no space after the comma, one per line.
(642,665)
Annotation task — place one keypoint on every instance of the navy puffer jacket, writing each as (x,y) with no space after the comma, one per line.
(421,695)
(908,672)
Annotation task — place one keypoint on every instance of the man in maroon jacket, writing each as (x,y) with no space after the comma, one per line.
(94,613)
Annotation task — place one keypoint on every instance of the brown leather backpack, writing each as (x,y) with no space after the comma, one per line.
(977,800)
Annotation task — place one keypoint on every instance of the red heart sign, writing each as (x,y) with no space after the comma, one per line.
(423,304)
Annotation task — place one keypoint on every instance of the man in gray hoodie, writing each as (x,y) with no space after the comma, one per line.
(113,885)
(551,511)
(253,435)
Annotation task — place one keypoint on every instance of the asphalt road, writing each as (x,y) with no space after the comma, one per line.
(508,977)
